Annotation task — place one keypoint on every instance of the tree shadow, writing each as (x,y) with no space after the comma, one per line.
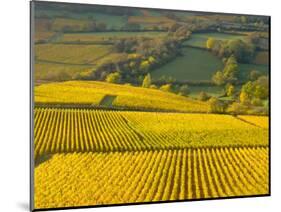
(42,158)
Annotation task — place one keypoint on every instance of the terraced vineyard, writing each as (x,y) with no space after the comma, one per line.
(74,130)
(80,179)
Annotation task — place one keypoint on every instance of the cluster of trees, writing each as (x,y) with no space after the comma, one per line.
(182,90)
(179,31)
(229,72)
(142,55)
(253,92)
(243,51)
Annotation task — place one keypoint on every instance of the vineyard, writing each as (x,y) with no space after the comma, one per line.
(92,92)
(80,179)
(261,121)
(78,130)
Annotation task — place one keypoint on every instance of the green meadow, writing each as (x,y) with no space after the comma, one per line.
(193,65)
(200,39)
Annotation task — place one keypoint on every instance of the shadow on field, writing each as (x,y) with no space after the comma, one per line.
(42,159)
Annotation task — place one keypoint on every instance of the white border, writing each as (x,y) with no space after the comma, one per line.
(14,112)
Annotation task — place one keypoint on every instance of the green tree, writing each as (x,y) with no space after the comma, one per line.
(113,77)
(144,66)
(203,96)
(218,78)
(146,81)
(244,97)
(230,89)
(184,90)
(254,75)
(166,87)
(215,105)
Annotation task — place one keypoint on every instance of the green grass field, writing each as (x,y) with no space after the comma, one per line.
(195,64)
(215,91)
(245,70)
(200,39)
(92,93)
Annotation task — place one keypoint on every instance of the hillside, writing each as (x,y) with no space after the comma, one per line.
(94,93)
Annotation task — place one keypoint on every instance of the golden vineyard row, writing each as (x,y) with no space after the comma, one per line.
(80,130)
(78,179)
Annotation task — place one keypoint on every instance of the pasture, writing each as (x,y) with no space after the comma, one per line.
(200,39)
(195,64)
(245,69)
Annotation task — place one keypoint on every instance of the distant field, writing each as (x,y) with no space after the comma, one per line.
(245,69)
(72,54)
(261,58)
(84,130)
(42,24)
(60,24)
(151,21)
(200,39)
(43,36)
(91,93)
(49,71)
(104,36)
(147,176)
(195,64)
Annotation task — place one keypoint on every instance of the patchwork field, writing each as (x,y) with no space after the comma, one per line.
(146,136)
(90,93)
(190,66)
(200,39)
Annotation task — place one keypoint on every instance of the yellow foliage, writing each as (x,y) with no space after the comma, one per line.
(80,179)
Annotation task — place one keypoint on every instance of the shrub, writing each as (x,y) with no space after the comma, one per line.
(113,78)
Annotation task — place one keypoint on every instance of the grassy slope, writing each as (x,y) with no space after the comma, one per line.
(90,92)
